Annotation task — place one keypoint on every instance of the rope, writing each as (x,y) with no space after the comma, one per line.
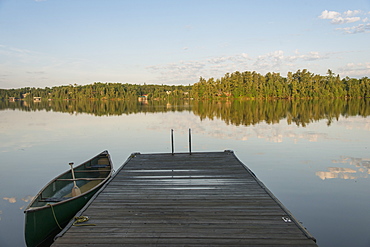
(81,219)
(55,217)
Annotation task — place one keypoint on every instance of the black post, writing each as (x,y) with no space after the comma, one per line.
(172,141)
(189,141)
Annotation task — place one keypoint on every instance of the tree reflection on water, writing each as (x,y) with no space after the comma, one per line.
(250,112)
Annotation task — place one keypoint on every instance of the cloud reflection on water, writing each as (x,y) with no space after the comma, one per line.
(10,199)
(361,170)
(13,200)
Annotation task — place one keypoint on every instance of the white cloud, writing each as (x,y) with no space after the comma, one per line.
(347,17)
(277,60)
(341,20)
(361,28)
(218,66)
(355,69)
(351,13)
(310,56)
(329,14)
(272,59)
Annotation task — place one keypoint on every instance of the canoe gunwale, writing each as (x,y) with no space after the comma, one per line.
(33,209)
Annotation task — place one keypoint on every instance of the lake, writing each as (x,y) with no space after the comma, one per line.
(314,155)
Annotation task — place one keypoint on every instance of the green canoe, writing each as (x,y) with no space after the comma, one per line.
(54,206)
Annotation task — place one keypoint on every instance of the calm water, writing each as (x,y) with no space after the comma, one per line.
(314,156)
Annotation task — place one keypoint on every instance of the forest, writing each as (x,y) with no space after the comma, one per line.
(97,91)
(301,84)
(238,85)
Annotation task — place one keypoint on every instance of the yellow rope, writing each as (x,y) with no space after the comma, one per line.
(78,219)
(55,217)
(81,219)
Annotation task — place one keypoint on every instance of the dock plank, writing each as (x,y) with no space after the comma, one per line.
(203,199)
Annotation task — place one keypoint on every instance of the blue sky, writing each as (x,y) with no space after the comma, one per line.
(54,42)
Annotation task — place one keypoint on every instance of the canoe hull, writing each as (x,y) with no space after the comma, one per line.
(43,222)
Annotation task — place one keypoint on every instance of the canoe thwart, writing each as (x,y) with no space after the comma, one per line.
(54,199)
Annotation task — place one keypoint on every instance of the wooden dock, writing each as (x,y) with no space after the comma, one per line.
(202,199)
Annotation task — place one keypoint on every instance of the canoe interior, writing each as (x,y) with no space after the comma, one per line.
(88,175)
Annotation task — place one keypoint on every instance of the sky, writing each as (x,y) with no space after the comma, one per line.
(46,43)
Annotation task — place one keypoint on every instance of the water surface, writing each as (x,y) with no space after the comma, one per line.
(313,155)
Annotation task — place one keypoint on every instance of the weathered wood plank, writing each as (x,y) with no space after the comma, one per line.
(203,199)
(143,241)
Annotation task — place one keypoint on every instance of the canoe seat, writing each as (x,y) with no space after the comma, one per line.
(99,166)
(103,162)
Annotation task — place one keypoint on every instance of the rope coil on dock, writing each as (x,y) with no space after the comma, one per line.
(81,219)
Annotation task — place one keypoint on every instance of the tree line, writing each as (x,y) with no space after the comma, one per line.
(301,84)
(99,91)
(237,85)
